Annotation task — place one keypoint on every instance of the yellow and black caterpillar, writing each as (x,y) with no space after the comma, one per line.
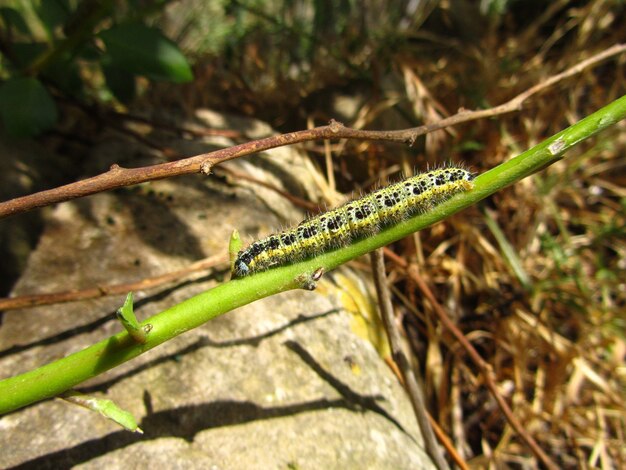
(355,219)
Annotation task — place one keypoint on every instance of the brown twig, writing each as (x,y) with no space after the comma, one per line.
(395,342)
(445,442)
(34,300)
(484,367)
(171,154)
(441,435)
(118,177)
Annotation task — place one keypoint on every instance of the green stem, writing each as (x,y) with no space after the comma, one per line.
(56,377)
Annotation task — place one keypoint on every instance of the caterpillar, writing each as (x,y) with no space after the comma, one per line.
(353,220)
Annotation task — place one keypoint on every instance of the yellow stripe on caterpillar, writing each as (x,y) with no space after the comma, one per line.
(353,220)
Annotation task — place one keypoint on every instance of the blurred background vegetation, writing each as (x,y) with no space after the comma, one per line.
(535,277)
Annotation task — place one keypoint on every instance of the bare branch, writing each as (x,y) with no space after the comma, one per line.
(34,300)
(118,177)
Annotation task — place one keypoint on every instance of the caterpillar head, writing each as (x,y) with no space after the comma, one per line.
(240,268)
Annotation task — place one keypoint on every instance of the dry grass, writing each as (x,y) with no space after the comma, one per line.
(549,317)
(535,276)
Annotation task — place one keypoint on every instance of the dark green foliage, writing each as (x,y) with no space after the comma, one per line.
(141,50)
(44,49)
(53,13)
(12,20)
(26,107)
(120,82)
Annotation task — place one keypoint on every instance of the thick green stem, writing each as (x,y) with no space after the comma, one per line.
(54,378)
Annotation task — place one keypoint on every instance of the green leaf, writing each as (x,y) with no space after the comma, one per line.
(105,407)
(127,317)
(26,52)
(509,252)
(63,72)
(53,13)
(120,82)
(141,50)
(234,245)
(13,19)
(26,107)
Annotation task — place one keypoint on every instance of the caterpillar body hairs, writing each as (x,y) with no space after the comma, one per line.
(353,220)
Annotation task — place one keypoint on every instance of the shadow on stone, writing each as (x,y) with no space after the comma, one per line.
(94,325)
(202,343)
(358,401)
(184,422)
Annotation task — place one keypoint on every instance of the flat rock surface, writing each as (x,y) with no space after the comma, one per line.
(282,383)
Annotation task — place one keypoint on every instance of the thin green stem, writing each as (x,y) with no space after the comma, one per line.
(56,377)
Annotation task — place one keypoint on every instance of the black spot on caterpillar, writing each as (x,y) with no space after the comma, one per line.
(353,220)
